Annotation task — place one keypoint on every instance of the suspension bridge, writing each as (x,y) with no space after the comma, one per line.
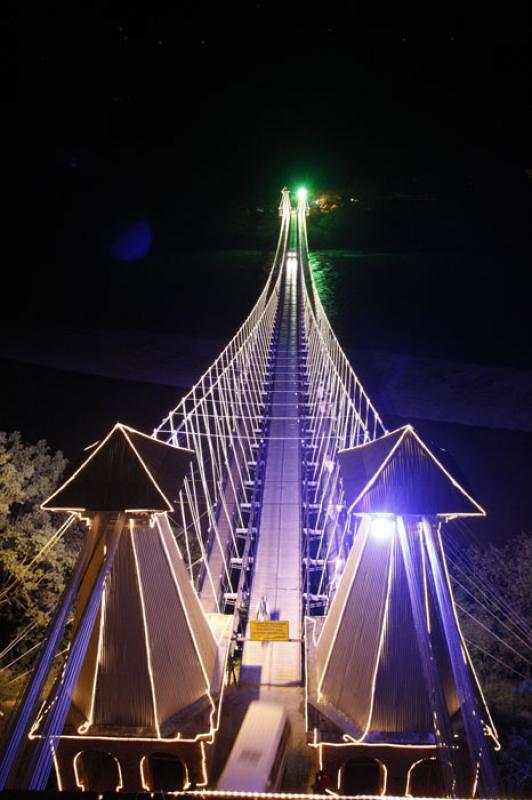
(270,540)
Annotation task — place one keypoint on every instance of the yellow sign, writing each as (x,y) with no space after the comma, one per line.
(271,631)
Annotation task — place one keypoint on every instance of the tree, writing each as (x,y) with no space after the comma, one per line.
(29,588)
(495,606)
(494,598)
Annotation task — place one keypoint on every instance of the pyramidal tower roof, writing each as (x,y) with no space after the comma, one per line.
(126,471)
(153,654)
(399,474)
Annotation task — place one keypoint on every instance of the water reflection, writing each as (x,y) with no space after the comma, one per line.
(326,279)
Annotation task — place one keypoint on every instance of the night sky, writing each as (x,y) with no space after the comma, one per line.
(211,106)
(143,131)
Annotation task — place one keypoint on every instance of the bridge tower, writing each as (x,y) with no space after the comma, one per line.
(389,675)
(115,708)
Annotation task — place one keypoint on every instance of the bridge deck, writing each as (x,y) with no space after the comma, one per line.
(277,572)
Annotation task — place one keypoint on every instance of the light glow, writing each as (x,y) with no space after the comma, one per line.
(382,527)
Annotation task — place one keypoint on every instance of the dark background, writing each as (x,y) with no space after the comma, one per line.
(188,117)
(186,120)
(142,135)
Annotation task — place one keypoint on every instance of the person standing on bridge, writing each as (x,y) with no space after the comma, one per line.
(263,609)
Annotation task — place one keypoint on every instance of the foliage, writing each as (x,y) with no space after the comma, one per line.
(503,615)
(505,612)
(28,474)
(515,759)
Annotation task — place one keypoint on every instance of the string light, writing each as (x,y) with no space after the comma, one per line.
(384,625)
(492,731)
(145,628)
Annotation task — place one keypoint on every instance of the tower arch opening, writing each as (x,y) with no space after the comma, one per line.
(425,779)
(97,771)
(362,776)
(163,772)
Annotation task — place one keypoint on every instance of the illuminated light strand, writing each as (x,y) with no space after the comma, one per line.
(455,483)
(20,657)
(320,322)
(148,473)
(384,625)
(350,742)
(207,736)
(487,590)
(441,721)
(229,435)
(124,430)
(143,780)
(494,635)
(211,509)
(497,660)
(21,635)
(145,628)
(491,727)
(28,671)
(262,438)
(411,769)
(446,515)
(425,585)
(84,727)
(206,677)
(479,581)
(69,480)
(222,370)
(326,384)
(79,782)
(247,329)
(202,549)
(364,534)
(280,795)
(380,645)
(56,769)
(26,567)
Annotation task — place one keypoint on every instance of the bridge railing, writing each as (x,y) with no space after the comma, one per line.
(221,418)
(339,414)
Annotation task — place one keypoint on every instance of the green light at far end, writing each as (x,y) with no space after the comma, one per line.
(302,193)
